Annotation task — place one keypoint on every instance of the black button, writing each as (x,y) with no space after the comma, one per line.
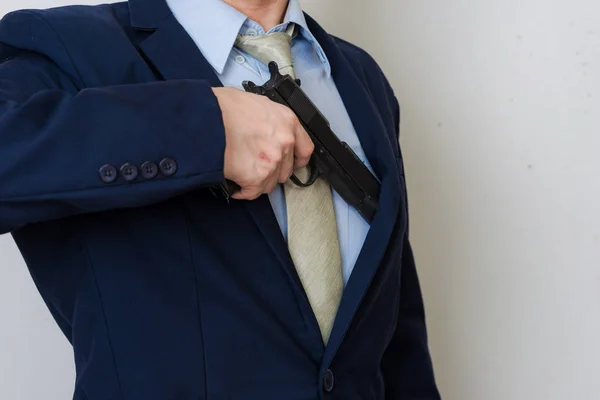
(108,173)
(129,171)
(149,170)
(328,381)
(168,166)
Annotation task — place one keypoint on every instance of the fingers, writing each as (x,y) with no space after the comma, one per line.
(274,151)
(287,168)
(271,183)
(254,192)
(247,193)
(287,162)
(304,147)
(266,173)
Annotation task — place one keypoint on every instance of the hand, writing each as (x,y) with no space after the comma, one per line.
(265,142)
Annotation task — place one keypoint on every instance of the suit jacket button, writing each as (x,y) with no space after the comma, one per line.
(129,171)
(149,170)
(328,381)
(108,173)
(168,166)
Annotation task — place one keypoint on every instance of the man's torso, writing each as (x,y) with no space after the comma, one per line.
(195,297)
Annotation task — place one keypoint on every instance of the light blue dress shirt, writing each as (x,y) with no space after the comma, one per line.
(214,25)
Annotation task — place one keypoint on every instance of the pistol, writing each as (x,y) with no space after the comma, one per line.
(332,159)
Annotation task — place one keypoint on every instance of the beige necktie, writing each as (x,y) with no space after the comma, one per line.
(312,228)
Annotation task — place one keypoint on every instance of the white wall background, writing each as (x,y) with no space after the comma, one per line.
(501,139)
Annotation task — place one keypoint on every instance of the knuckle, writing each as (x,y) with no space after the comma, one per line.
(307,152)
(287,140)
(290,117)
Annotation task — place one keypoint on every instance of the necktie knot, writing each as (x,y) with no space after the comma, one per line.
(273,46)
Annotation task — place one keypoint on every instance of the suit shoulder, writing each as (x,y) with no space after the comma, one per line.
(376,82)
(355,52)
(24,27)
(63,34)
(367,67)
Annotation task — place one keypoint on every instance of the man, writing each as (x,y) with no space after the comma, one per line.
(117,124)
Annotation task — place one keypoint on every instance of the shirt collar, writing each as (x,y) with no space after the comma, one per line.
(214,26)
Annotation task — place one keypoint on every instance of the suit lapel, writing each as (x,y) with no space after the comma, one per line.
(174,55)
(374,140)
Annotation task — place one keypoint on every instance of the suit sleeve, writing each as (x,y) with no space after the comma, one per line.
(407,366)
(56,136)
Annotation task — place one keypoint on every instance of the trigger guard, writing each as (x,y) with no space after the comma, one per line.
(314,175)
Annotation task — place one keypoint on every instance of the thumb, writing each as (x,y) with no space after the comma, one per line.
(245,194)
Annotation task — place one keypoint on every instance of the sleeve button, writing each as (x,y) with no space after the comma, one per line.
(149,170)
(129,172)
(108,173)
(168,166)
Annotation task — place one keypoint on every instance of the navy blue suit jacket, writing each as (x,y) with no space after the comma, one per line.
(110,139)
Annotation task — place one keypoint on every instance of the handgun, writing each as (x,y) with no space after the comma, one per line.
(332,159)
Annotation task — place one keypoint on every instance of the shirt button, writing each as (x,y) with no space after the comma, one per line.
(240,59)
(108,173)
(328,381)
(251,32)
(168,166)
(129,172)
(149,170)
